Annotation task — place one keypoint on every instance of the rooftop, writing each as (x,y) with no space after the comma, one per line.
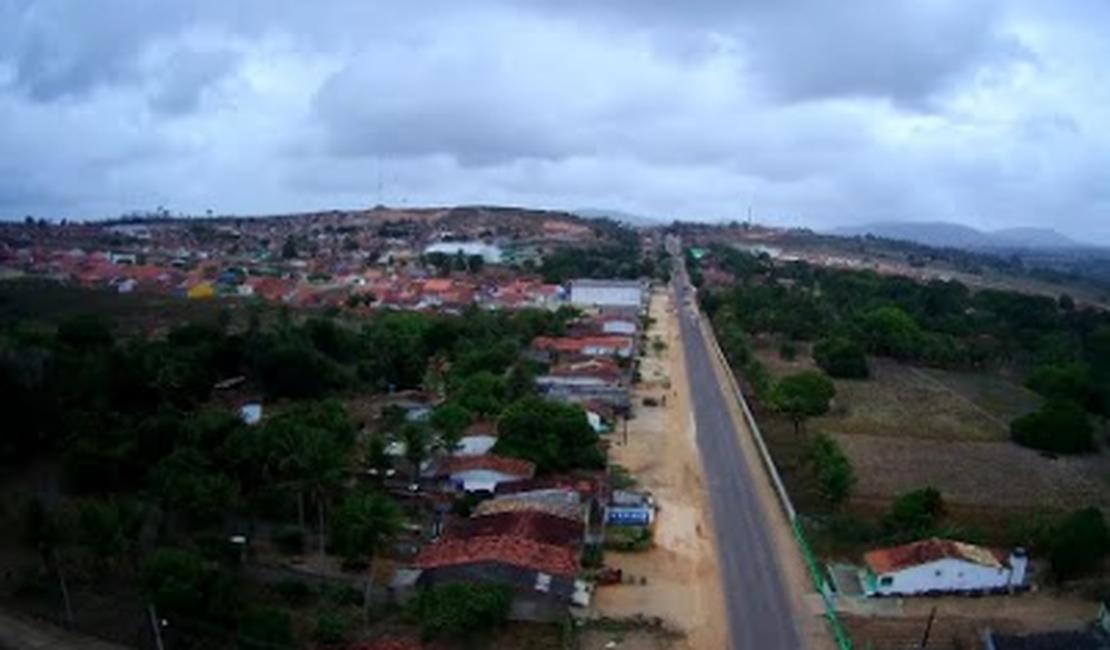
(506,549)
(535,525)
(490,462)
(887,560)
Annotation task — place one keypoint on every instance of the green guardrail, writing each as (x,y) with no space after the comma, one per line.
(843,641)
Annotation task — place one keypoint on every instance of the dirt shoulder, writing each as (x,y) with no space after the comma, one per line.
(681,578)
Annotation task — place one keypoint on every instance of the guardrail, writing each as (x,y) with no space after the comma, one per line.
(840,634)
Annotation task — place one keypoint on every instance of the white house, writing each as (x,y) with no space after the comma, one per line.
(935,566)
(478,439)
(490,254)
(622,325)
(483,473)
(623,294)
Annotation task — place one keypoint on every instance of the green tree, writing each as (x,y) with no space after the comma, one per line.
(556,437)
(332,627)
(451,420)
(1078,544)
(914,514)
(835,475)
(188,485)
(841,358)
(1059,426)
(802,396)
(181,582)
(461,610)
(415,438)
(109,527)
(363,524)
(890,331)
(377,455)
(264,628)
(482,393)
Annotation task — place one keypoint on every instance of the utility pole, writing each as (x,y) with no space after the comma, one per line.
(155,626)
(928,629)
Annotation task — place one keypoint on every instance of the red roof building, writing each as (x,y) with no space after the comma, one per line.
(518,552)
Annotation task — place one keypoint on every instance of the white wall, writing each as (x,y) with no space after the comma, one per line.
(627,328)
(943,575)
(475,445)
(481,479)
(606,295)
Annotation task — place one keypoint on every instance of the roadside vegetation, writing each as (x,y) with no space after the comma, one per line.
(832,332)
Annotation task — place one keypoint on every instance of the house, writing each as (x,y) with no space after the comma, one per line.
(607,294)
(478,439)
(543,576)
(586,346)
(536,525)
(618,324)
(490,254)
(936,566)
(482,473)
(630,509)
(594,372)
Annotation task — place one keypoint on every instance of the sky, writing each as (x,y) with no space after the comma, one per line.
(989,113)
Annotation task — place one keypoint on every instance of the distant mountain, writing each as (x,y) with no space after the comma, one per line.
(617,215)
(952,235)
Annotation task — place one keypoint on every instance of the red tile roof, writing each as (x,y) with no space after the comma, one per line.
(482,428)
(537,526)
(577,344)
(887,560)
(513,466)
(515,551)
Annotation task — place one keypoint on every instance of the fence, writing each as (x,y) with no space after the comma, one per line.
(820,581)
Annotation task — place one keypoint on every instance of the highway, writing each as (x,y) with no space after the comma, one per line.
(758,605)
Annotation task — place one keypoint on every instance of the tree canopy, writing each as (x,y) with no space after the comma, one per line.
(556,437)
(1059,426)
(802,396)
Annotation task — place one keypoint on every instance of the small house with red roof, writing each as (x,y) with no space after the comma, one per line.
(482,473)
(942,566)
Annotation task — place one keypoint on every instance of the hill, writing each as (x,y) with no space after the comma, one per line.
(942,234)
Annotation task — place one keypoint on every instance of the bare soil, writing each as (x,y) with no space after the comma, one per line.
(999,474)
(677,581)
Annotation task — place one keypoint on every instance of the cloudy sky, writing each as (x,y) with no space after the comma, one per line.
(988,113)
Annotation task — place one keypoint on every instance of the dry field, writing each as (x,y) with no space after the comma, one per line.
(908,427)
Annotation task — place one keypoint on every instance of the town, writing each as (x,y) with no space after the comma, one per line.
(395,428)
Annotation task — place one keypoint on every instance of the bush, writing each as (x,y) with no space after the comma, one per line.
(288,540)
(593,557)
(841,358)
(834,471)
(1078,544)
(914,514)
(341,595)
(788,351)
(1059,426)
(294,592)
(332,627)
(628,539)
(263,629)
(461,610)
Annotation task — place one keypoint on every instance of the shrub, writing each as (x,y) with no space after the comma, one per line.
(841,358)
(461,610)
(593,557)
(1059,426)
(332,627)
(341,594)
(788,351)
(288,540)
(834,471)
(1078,543)
(263,629)
(914,514)
(294,592)
(628,539)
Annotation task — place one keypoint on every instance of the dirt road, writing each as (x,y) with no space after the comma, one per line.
(682,579)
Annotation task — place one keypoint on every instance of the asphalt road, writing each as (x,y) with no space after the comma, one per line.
(759,609)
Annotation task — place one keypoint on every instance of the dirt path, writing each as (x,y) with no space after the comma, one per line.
(682,579)
(18,633)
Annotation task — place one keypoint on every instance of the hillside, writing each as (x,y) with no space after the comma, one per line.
(952,235)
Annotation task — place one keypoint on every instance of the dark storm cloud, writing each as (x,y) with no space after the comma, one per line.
(818,113)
